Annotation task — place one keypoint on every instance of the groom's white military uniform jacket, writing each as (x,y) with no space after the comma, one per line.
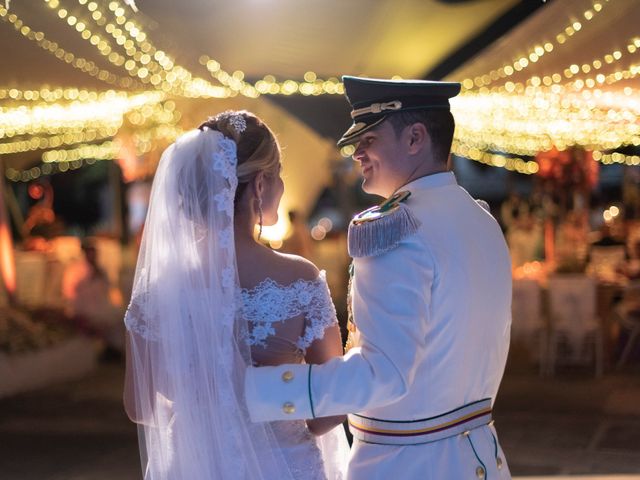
(433,321)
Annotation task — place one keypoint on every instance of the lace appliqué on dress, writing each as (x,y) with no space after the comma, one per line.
(270,302)
(300,449)
(135,319)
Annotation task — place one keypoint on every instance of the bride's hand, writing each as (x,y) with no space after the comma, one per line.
(320,426)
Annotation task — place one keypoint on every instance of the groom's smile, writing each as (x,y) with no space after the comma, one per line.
(375,153)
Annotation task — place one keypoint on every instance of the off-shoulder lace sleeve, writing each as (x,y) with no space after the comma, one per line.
(318,308)
(270,302)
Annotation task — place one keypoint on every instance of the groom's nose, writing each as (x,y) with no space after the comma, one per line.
(358,154)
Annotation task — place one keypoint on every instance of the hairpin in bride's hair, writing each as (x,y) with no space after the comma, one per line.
(238,122)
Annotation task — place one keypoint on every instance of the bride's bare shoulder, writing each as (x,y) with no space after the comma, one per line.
(294,267)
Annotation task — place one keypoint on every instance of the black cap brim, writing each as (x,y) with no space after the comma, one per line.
(373,100)
(352,135)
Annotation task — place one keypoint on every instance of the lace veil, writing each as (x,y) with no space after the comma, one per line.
(185,347)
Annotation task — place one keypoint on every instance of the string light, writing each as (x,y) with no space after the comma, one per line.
(64,160)
(268,85)
(234,82)
(533,53)
(498,121)
(577,74)
(150,64)
(515,164)
(60,53)
(105,151)
(619,158)
(163,114)
(568,107)
(57,118)
(54,141)
(51,95)
(527,124)
(177,81)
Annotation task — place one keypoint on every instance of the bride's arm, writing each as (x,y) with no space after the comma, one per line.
(320,351)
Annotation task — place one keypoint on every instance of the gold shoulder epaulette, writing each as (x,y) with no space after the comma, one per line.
(381,228)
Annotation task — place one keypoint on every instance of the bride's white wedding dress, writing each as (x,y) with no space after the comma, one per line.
(192,332)
(269,308)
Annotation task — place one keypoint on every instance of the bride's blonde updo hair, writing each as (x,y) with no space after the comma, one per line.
(257,147)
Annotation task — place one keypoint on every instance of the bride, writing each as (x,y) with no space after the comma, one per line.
(208,300)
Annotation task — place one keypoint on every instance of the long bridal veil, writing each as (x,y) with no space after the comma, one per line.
(186,343)
(186,349)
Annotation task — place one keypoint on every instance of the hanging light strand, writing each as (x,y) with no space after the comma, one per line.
(511,163)
(535,52)
(145,61)
(63,55)
(188,87)
(55,95)
(33,143)
(131,31)
(63,160)
(162,113)
(532,123)
(56,118)
(616,157)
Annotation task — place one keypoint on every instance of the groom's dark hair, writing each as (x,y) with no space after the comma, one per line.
(439,123)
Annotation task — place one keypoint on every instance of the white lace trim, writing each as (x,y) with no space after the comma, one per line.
(135,319)
(270,302)
(300,450)
(225,161)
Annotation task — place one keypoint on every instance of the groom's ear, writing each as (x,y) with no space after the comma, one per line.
(417,138)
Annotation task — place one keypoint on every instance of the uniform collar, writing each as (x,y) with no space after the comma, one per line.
(435,180)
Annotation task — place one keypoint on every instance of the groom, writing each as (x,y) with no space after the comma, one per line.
(431,298)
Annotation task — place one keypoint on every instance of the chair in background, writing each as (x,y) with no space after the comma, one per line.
(527,318)
(31,278)
(628,313)
(575,333)
(604,261)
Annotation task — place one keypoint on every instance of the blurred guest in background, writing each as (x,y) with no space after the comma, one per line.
(525,239)
(86,290)
(512,209)
(572,240)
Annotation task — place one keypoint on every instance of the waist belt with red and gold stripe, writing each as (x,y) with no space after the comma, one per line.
(412,432)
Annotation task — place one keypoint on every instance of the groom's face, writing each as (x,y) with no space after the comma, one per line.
(378,152)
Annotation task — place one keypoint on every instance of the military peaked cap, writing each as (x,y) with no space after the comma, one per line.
(373,99)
